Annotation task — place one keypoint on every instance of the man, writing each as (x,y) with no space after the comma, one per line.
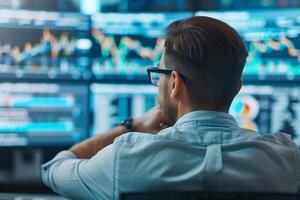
(202,149)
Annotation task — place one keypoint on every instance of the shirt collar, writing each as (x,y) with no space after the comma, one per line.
(206,117)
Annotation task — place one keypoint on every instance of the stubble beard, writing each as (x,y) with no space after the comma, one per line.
(169,112)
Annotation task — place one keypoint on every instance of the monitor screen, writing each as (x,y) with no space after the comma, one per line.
(273,41)
(266,109)
(44,45)
(125,44)
(38,114)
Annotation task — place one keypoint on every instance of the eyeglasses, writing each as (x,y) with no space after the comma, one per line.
(153,74)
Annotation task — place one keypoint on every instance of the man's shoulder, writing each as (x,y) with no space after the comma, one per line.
(236,137)
(276,138)
(280,142)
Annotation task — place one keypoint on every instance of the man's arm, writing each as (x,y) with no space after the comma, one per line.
(71,169)
(79,178)
(91,146)
(151,122)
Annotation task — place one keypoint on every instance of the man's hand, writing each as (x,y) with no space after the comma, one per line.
(151,122)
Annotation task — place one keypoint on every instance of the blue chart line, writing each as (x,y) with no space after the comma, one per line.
(32,127)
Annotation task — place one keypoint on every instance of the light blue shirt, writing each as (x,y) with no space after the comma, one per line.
(204,150)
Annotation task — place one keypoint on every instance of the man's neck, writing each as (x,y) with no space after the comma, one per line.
(184,109)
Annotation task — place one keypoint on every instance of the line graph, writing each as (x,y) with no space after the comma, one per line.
(49,45)
(118,53)
(273,57)
(271,45)
(48,53)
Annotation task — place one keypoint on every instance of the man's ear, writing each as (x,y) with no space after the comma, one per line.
(176,85)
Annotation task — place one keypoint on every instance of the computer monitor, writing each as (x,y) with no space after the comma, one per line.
(44,45)
(265,108)
(43,114)
(272,38)
(44,73)
(126,43)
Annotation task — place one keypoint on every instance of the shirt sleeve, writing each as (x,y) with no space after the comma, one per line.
(81,179)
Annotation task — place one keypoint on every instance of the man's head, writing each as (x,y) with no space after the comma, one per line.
(207,57)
